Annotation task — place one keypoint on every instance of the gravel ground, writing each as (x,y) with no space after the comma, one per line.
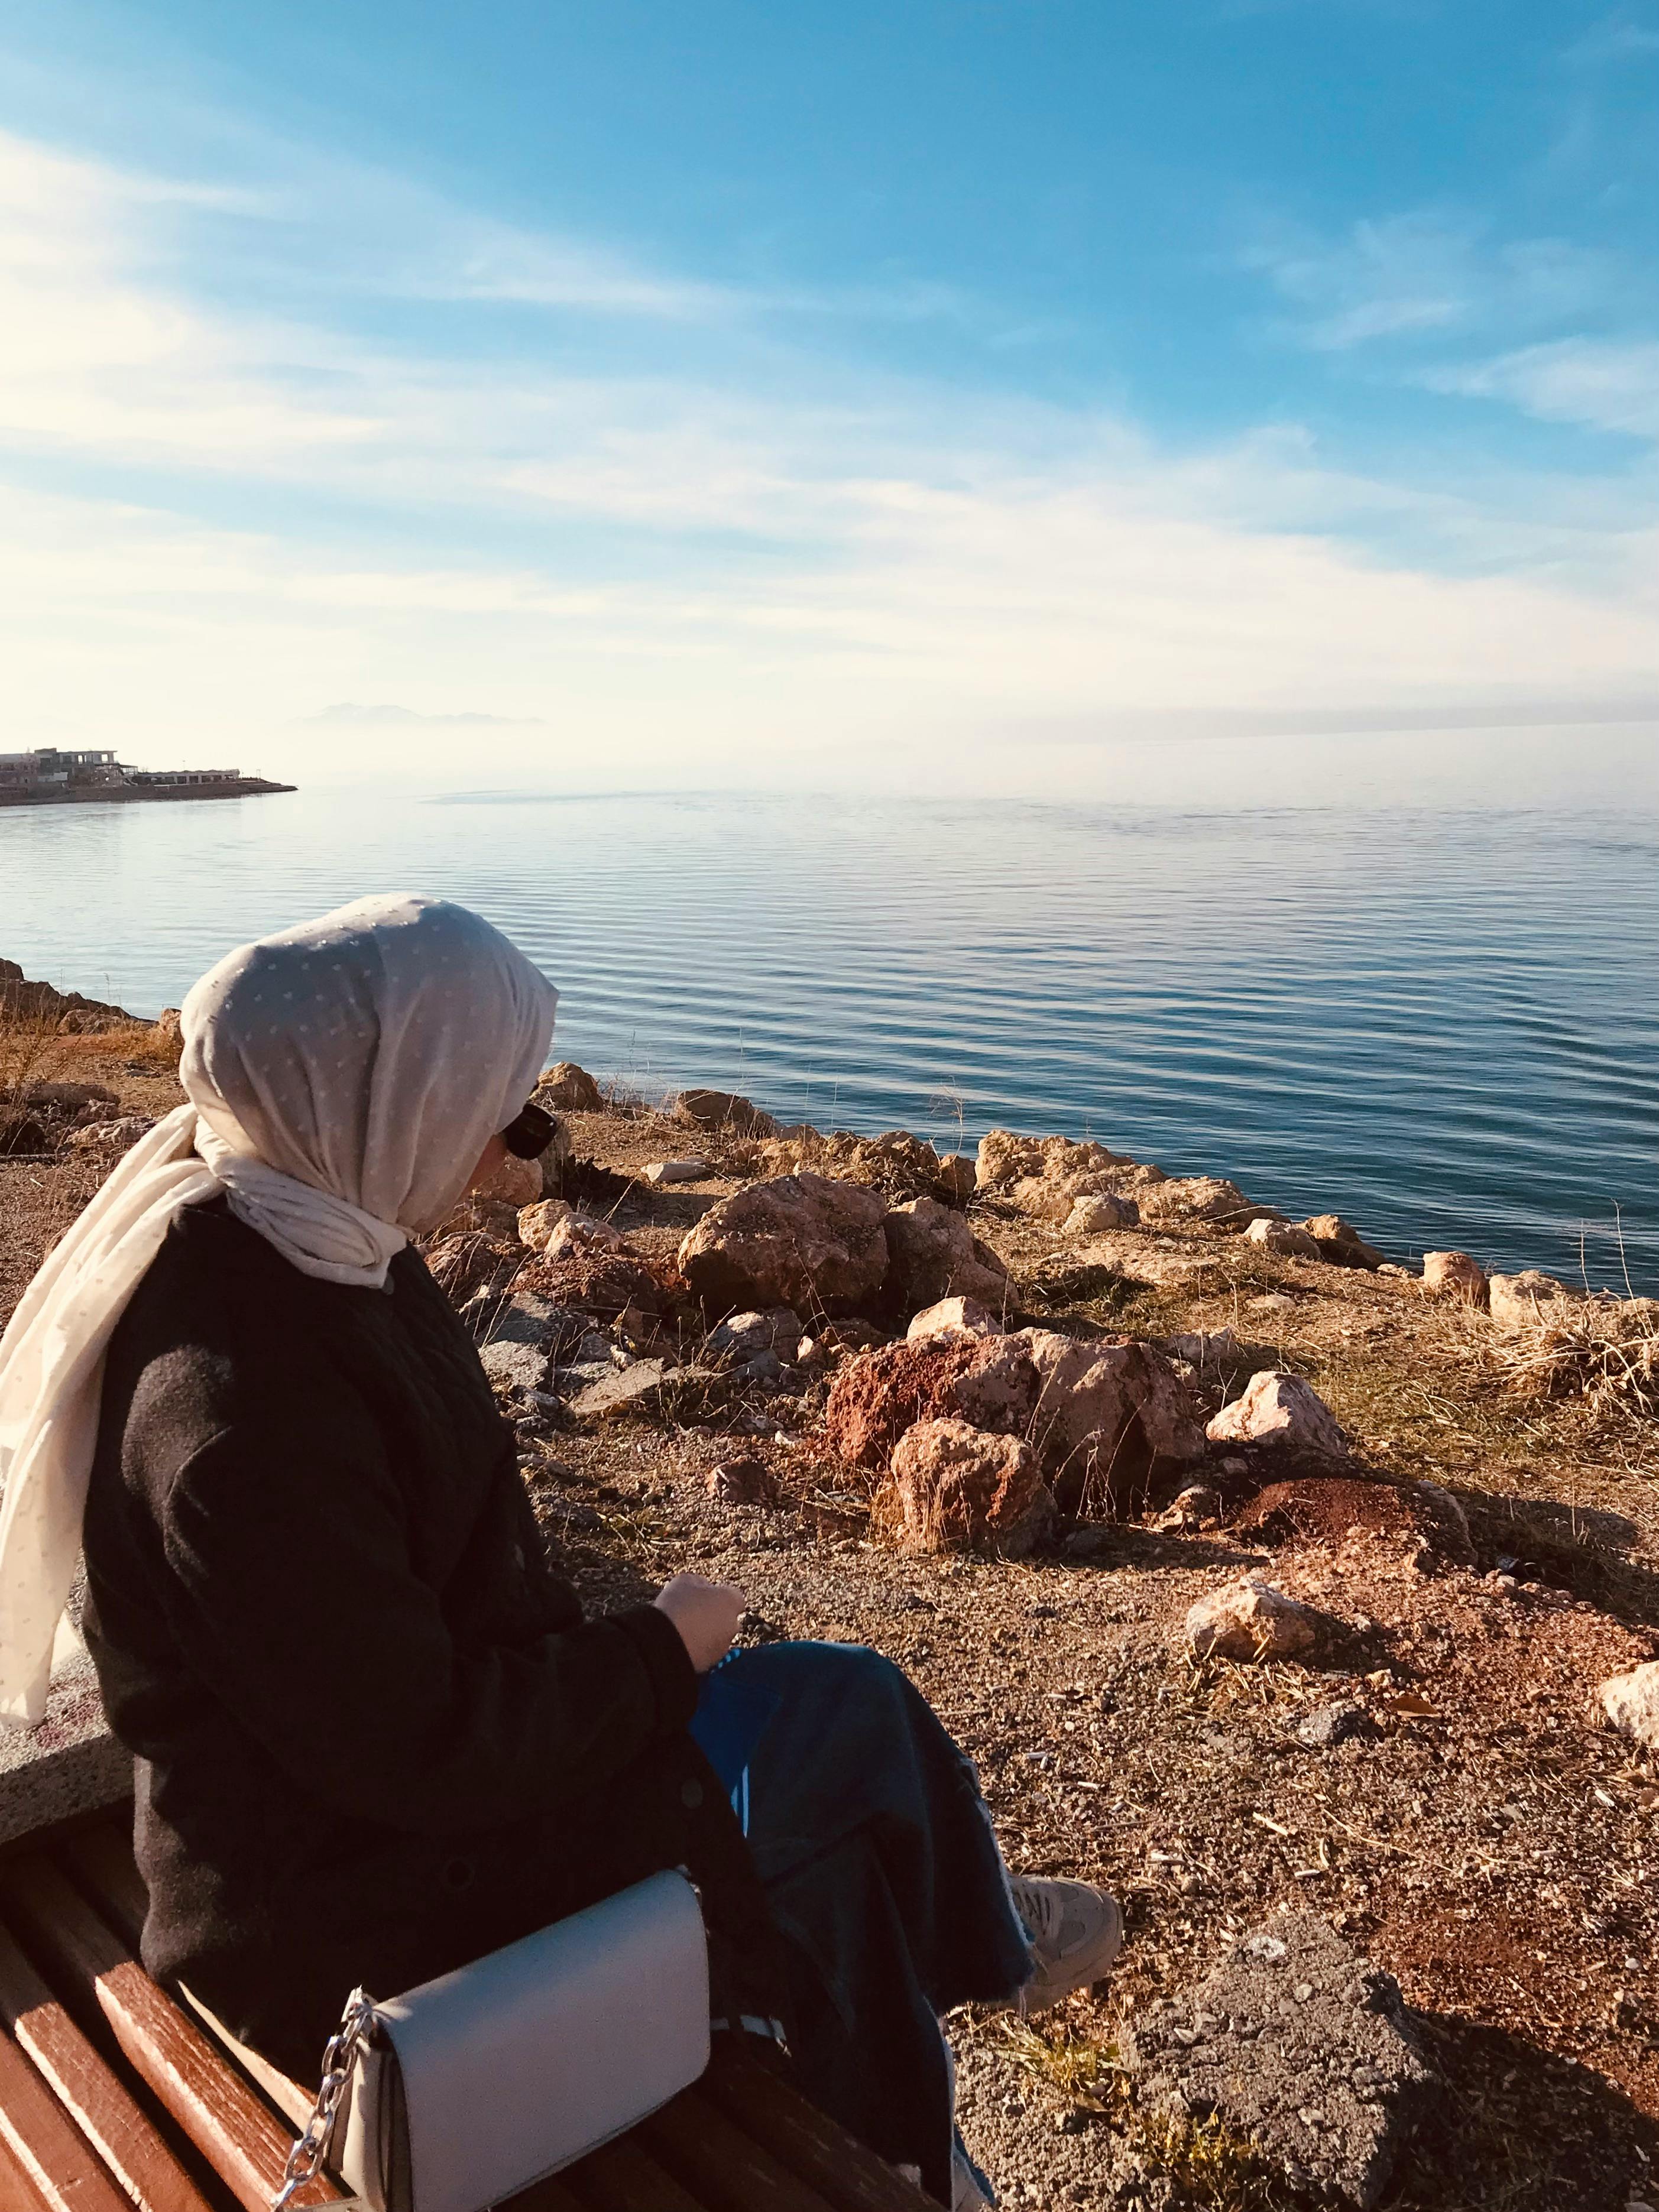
(1488,1844)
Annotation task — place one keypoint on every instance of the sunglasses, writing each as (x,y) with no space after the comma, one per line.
(528,1136)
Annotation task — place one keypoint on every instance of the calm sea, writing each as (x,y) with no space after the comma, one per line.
(1442,1025)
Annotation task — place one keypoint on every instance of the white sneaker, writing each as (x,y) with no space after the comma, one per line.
(1075,1929)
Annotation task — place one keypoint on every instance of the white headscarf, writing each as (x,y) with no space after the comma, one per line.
(343,1078)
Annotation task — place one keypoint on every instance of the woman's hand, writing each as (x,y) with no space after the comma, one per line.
(706,1615)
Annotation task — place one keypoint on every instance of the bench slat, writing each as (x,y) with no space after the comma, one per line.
(771,2110)
(242,2141)
(60,2161)
(623,2177)
(102,1861)
(16,2189)
(717,2162)
(94,2097)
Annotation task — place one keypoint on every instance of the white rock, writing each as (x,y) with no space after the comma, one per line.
(537,1222)
(1283,1238)
(580,1232)
(1251,1619)
(1519,1302)
(1630,1703)
(954,1317)
(663,1171)
(1279,1408)
(1093,1216)
(512,1181)
(1454,1275)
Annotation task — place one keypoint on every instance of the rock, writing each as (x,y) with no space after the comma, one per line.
(960,1488)
(512,1181)
(1282,1238)
(1092,1216)
(742,1335)
(537,1222)
(526,1317)
(566,1089)
(799,1241)
(953,1317)
(934,1254)
(1212,1348)
(958,1174)
(1342,1722)
(1341,1243)
(1109,1411)
(1518,1302)
(1250,1619)
(1630,1703)
(169,1026)
(1281,1409)
(581,1233)
(1006,1159)
(1454,1275)
(513,1364)
(120,1136)
(1300,2045)
(21,1134)
(1182,1199)
(1272,1302)
(726,1111)
(900,1164)
(625,1389)
(741,1482)
(666,1171)
(1197,1506)
(1326,1510)
(988,1381)
(68,1097)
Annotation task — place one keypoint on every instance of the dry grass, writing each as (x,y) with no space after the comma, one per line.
(1082,2066)
(34,1048)
(1605,1354)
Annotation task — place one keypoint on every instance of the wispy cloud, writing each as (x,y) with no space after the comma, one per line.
(1427,272)
(716,534)
(1600,387)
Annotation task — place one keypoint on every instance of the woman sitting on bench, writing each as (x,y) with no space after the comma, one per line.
(376,1738)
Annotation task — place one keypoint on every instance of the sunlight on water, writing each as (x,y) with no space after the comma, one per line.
(1441,1025)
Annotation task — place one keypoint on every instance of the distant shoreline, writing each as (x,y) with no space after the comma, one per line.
(128,795)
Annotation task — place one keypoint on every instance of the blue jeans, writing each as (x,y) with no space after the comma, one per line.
(875,1848)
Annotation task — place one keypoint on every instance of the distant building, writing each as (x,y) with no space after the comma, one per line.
(48,773)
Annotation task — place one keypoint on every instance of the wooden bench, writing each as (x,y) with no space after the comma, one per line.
(113,2096)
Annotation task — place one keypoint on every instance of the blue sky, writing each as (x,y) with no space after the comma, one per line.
(737,390)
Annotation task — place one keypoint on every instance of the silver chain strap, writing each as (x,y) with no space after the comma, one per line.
(311,2145)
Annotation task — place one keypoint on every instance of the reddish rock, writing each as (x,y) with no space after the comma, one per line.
(799,1240)
(959,1489)
(875,1397)
(1341,1243)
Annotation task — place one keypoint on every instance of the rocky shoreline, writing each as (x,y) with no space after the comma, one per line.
(1308,1600)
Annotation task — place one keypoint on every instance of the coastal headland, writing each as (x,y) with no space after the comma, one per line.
(48,777)
(1308,1600)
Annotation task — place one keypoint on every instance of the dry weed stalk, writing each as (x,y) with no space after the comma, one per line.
(1605,1352)
(34,1045)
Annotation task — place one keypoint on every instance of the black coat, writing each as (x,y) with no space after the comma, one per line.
(376,1737)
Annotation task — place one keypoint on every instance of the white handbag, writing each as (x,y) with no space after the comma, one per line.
(469,2088)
